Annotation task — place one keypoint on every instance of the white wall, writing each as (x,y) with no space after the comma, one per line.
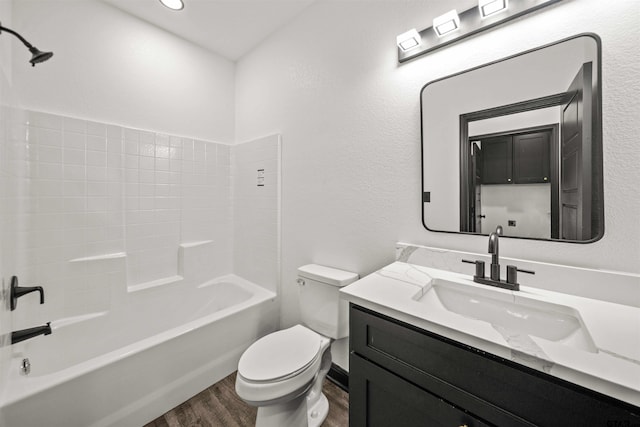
(349,117)
(529,205)
(540,117)
(256,211)
(111,67)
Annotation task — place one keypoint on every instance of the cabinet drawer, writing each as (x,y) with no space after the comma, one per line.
(497,390)
(379,398)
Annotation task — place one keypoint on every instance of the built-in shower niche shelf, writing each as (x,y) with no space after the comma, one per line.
(194,265)
(101,257)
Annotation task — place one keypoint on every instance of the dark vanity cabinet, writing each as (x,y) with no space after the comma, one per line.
(516,159)
(403,376)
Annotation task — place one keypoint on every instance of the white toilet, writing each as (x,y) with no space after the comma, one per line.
(282,373)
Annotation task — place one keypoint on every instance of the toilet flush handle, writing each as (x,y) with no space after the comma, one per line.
(300,282)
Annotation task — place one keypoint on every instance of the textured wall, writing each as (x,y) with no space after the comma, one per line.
(349,117)
(111,67)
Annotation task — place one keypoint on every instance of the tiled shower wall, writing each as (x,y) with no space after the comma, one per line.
(97,194)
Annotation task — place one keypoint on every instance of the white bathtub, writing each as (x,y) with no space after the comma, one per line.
(129,366)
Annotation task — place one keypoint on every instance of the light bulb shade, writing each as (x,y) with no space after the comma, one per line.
(447,23)
(409,40)
(492,7)
(173,4)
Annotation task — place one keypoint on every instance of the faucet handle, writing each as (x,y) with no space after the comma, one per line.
(512,273)
(18,291)
(479,267)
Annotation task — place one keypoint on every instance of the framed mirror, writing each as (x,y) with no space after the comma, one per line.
(517,143)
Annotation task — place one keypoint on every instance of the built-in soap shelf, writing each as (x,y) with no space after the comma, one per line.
(194,262)
(154,283)
(101,257)
(66,321)
(193,259)
(195,244)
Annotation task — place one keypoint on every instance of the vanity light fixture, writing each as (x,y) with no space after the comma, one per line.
(173,4)
(409,40)
(491,7)
(453,27)
(447,23)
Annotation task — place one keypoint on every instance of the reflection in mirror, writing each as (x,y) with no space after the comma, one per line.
(517,143)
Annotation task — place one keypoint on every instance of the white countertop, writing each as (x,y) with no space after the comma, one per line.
(613,369)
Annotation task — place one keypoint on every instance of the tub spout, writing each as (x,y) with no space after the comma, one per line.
(25,334)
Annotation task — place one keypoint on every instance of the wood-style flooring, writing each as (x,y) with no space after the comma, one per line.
(219,406)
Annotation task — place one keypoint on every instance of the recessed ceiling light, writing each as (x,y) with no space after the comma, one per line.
(173,4)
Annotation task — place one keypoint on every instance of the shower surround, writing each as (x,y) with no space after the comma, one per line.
(98,192)
(106,218)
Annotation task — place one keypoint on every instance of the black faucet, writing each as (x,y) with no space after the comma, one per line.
(495,255)
(18,291)
(25,334)
(494,278)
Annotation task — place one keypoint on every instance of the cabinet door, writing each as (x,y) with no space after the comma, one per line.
(497,160)
(498,391)
(531,158)
(379,398)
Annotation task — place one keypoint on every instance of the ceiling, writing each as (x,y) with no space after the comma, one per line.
(229,28)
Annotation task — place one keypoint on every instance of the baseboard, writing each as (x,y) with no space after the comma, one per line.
(339,377)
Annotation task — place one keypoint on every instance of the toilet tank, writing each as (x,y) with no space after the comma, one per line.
(320,305)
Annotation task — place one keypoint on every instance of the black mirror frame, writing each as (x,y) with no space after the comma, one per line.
(597,159)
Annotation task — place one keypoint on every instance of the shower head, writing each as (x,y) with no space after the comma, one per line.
(37,55)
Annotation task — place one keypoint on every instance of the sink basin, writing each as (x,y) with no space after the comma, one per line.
(512,314)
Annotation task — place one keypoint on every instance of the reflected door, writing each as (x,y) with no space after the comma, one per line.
(475,187)
(575,157)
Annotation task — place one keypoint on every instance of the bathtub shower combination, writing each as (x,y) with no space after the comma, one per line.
(127,367)
(128,232)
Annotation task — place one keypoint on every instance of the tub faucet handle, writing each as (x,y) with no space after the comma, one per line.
(18,291)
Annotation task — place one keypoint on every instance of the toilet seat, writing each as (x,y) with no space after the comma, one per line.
(280,355)
(280,365)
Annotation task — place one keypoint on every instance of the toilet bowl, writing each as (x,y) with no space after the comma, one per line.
(279,371)
(282,373)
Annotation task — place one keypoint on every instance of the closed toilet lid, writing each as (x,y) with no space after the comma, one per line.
(280,354)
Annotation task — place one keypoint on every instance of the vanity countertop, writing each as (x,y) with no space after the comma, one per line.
(613,368)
